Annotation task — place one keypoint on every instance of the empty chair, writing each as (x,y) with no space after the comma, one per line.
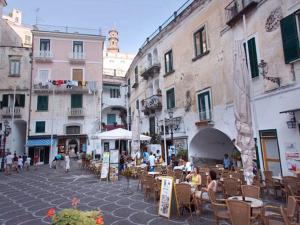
(219,207)
(231,187)
(251,191)
(183,196)
(239,212)
(271,183)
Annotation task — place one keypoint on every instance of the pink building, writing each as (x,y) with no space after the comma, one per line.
(66,91)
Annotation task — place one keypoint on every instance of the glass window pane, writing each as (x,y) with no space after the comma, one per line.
(197,43)
(204,45)
(111,119)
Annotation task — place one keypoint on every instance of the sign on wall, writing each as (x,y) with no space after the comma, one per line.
(164,208)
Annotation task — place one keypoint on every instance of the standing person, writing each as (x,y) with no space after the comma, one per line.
(3,162)
(226,162)
(67,161)
(122,162)
(9,162)
(151,162)
(24,158)
(27,163)
(15,161)
(145,157)
(20,164)
(36,160)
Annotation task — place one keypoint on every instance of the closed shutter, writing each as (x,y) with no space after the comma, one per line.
(78,74)
(42,104)
(111,119)
(22,100)
(40,127)
(253,58)
(5,101)
(76,101)
(171,98)
(290,39)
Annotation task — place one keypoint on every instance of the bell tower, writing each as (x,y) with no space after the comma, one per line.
(113,41)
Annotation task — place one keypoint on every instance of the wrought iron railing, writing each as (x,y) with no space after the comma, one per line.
(44,54)
(77,56)
(152,103)
(9,111)
(236,8)
(75,112)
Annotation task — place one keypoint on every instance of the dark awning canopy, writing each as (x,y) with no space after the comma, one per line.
(291,110)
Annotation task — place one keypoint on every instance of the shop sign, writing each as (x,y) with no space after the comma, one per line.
(105,165)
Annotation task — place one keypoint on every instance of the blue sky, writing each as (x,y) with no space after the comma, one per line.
(134,19)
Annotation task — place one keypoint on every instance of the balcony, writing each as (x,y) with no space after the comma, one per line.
(75,112)
(43,56)
(7,112)
(77,58)
(236,9)
(152,104)
(109,127)
(205,118)
(151,71)
(46,88)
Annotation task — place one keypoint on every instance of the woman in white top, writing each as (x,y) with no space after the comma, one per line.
(20,163)
(212,185)
(67,161)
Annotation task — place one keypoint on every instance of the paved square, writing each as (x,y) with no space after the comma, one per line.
(26,197)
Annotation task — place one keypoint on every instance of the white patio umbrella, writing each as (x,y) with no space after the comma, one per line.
(119,134)
(242,110)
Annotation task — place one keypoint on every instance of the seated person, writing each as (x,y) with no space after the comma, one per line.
(195,178)
(212,185)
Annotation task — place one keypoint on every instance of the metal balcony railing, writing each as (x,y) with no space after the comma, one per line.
(237,8)
(151,71)
(76,112)
(43,55)
(77,57)
(205,115)
(9,111)
(152,104)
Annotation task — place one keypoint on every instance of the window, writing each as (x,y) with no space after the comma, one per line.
(152,125)
(73,130)
(137,104)
(136,74)
(290,32)
(252,57)
(204,105)
(20,100)
(4,101)
(42,103)
(43,76)
(40,126)
(171,98)
(77,46)
(14,67)
(111,119)
(200,42)
(76,101)
(77,74)
(128,87)
(169,62)
(114,93)
(45,45)
(27,39)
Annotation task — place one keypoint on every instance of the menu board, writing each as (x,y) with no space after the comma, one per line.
(105,165)
(114,165)
(114,157)
(164,208)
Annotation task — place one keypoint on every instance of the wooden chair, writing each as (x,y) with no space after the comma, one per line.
(271,183)
(240,212)
(290,186)
(149,186)
(178,174)
(183,196)
(251,191)
(220,209)
(231,187)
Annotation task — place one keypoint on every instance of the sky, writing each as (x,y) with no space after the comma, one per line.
(134,19)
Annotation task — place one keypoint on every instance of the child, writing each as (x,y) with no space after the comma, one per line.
(27,163)
(20,164)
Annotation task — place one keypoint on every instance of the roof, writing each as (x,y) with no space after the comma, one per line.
(291,110)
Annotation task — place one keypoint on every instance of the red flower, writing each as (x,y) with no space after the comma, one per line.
(51,212)
(99,221)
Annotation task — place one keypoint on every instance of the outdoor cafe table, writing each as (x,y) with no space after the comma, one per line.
(255,203)
(279,178)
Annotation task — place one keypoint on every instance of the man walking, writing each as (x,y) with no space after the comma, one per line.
(9,161)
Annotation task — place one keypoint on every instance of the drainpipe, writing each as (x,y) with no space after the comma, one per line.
(30,95)
(13,120)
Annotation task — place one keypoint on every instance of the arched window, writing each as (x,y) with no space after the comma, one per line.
(72,129)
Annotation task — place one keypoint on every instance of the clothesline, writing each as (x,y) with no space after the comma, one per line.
(91,85)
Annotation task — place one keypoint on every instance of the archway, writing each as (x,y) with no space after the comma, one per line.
(73,146)
(209,145)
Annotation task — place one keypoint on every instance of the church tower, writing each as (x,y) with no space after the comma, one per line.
(113,41)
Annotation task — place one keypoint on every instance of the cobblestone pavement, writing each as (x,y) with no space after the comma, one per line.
(26,197)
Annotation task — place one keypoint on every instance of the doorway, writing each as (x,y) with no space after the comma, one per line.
(270,151)
(73,147)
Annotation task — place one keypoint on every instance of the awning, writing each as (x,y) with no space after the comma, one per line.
(291,110)
(39,142)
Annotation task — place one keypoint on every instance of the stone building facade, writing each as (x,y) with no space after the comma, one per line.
(182,79)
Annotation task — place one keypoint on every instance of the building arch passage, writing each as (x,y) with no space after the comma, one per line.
(209,146)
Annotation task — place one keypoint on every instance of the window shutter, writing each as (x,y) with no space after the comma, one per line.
(22,100)
(5,101)
(76,101)
(290,39)
(253,58)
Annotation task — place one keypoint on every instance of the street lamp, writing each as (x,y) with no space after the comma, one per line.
(171,124)
(6,133)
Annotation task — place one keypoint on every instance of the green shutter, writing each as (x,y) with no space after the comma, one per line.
(171,98)
(22,100)
(171,61)
(76,101)
(290,38)
(111,119)
(5,101)
(253,58)
(40,127)
(42,103)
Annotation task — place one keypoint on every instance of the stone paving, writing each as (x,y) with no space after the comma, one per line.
(26,197)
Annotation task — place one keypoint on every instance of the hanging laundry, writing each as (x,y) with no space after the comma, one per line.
(92,86)
(80,83)
(84,83)
(59,82)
